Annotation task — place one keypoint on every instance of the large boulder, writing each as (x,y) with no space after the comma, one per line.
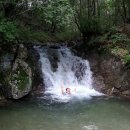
(16,72)
(20,78)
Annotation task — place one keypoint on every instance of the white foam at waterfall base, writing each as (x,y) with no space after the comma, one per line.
(73,72)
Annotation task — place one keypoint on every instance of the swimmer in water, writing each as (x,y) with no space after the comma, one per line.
(67,91)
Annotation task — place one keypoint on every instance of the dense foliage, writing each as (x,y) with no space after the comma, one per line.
(49,18)
(8,31)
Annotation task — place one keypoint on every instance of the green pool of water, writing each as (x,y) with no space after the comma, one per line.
(96,114)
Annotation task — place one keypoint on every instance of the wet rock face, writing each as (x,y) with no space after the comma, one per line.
(53,57)
(6,57)
(79,69)
(17,73)
(5,62)
(109,75)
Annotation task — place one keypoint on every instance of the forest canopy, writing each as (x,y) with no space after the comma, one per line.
(60,19)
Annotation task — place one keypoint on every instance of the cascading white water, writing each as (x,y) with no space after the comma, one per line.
(70,72)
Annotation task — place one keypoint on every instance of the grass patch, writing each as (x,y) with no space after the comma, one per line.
(119,52)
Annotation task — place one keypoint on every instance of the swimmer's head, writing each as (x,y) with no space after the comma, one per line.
(68,90)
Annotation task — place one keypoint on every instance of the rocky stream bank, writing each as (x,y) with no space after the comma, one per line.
(19,69)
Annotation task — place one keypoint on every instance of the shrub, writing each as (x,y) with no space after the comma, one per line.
(8,31)
(118,37)
(127,60)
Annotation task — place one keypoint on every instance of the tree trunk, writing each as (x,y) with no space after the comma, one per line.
(124,11)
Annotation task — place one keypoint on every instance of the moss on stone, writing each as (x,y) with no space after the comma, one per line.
(22,80)
(19,79)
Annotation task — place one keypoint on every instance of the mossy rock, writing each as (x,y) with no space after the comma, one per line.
(19,78)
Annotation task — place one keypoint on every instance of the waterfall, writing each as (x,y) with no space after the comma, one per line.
(61,68)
